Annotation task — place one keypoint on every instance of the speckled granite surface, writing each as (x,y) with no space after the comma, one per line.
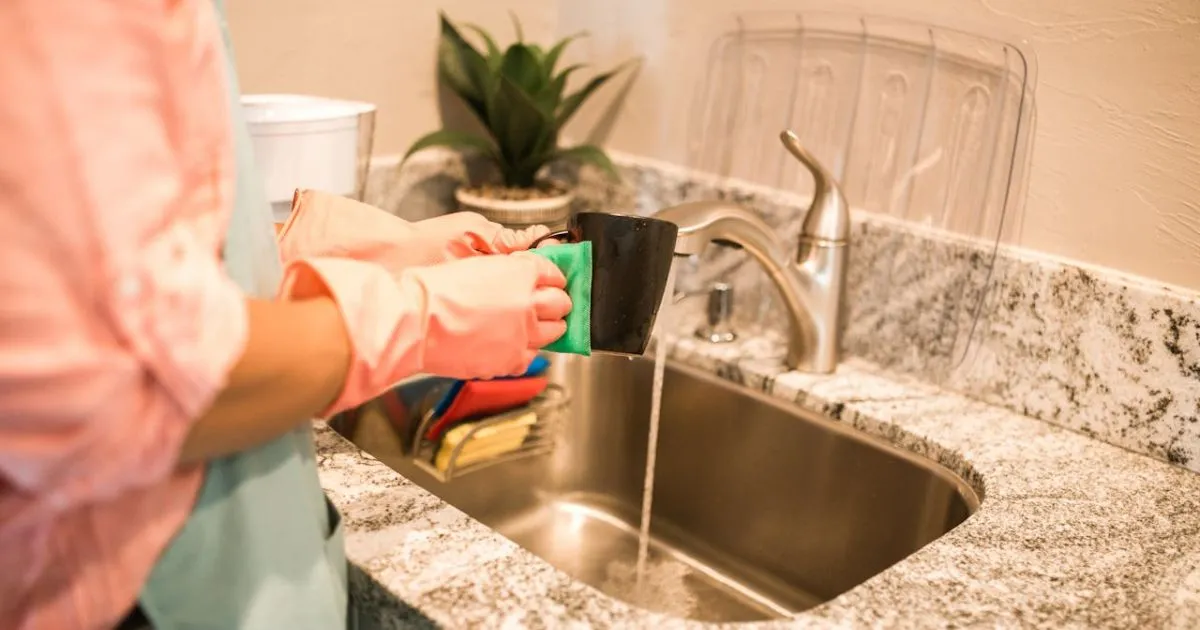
(1072,532)
(1116,360)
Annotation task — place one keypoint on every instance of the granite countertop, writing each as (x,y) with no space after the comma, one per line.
(1072,532)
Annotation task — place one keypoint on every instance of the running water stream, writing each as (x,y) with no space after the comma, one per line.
(663,328)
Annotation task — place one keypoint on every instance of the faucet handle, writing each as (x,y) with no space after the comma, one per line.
(828,218)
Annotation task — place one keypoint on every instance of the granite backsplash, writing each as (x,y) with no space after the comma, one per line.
(1113,358)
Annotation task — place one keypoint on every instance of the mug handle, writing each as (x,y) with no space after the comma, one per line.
(559,235)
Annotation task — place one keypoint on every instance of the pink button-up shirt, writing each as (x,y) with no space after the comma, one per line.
(118,325)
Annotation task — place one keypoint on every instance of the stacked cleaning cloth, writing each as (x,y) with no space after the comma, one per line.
(466,403)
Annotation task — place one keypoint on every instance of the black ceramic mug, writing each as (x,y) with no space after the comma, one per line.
(631,262)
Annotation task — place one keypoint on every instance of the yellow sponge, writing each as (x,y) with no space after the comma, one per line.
(491,441)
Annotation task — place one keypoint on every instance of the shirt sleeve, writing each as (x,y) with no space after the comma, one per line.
(118,325)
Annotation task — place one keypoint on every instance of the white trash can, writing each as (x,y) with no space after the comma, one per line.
(309,142)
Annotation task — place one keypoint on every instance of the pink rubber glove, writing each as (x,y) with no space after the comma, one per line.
(473,318)
(326,225)
(483,235)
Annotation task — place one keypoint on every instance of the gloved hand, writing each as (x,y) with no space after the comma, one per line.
(482,235)
(326,225)
(473,318)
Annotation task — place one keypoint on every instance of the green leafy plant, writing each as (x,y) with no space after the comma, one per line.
(519,95)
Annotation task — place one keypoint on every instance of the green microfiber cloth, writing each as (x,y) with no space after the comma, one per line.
(575,261)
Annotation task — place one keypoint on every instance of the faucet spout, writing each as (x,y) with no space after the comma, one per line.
(704,222)
(812,284)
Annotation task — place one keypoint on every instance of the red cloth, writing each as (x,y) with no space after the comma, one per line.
(481,398)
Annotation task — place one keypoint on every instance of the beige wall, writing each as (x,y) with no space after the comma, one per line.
(1116,176)
(1116,164)
(380,51)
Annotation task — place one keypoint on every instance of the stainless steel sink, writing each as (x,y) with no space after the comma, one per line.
(760,510)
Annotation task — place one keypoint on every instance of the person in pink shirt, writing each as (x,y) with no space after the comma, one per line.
(158,369)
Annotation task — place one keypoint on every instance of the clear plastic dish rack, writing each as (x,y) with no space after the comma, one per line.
(927,125)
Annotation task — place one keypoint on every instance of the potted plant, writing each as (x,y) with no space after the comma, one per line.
(519,96)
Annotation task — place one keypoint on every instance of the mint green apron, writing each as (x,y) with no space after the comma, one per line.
(262,549)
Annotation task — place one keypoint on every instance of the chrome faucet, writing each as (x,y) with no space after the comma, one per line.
(812,284)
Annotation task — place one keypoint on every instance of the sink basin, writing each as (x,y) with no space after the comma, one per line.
(760,509)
